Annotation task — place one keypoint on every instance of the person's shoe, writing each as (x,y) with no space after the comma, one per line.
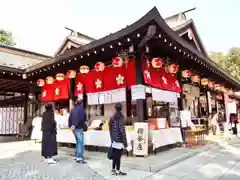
(51,161)
(120,173)
(113,172)
(80,161)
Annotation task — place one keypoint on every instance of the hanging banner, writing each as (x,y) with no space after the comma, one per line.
(140,143)
(92,98)
(101,98)
(108,97)
(164,96)
(61,89)
(119,95)
(138,92)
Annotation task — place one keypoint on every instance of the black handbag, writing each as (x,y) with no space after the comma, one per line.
(110,153)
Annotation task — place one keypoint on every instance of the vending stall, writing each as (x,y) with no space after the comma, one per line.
(144,66)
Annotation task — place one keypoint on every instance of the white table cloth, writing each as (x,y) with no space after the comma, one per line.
(91,137)
(165,137)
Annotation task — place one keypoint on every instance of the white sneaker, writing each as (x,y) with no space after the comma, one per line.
(51,161)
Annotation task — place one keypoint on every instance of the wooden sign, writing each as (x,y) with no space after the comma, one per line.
(140,143)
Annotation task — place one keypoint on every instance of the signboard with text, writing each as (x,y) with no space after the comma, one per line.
(140,144)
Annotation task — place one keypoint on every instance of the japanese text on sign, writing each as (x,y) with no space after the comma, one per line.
(141,139)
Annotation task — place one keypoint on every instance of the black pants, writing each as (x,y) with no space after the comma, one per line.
(117,154)
(214,129)
(234,129)
(184,133)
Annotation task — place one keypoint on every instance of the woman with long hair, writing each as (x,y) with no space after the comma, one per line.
(118,139)
(49,132)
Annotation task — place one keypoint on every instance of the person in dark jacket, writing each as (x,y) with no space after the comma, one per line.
(118,138)
(76,122)
(234,120)
(49,140)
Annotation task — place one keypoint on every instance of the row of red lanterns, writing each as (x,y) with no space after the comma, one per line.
(205,82)
(99,66)
(158,63)
(119,62)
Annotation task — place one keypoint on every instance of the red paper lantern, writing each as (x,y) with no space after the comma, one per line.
(40,82)
(84,69)
(71,74)
(186,73)
(204,81)
(195,78)
(211,84)
(49,80)
(117,62)
(157,62)
(60,76)
(173,68)
(99,66)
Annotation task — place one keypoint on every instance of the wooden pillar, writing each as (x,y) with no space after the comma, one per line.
(209,103)
(140,103)
(71,94)
(25,106)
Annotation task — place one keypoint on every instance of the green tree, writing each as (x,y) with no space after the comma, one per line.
(229,61)
(6,38)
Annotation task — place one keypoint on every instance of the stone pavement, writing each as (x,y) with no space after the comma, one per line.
(220,163)
(22,161)
(152,163)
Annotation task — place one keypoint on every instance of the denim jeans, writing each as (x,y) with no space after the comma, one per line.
(79,136)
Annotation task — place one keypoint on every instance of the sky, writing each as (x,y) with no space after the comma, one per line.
(38,25)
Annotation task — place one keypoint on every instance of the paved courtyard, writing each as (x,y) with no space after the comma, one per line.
(22,161)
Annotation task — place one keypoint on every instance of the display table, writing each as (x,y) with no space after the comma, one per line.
(164,137)
(91,137)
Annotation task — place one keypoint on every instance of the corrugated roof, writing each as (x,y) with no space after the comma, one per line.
(18,58)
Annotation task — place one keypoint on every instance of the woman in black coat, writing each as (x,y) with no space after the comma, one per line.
(49,140)
(118,139)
